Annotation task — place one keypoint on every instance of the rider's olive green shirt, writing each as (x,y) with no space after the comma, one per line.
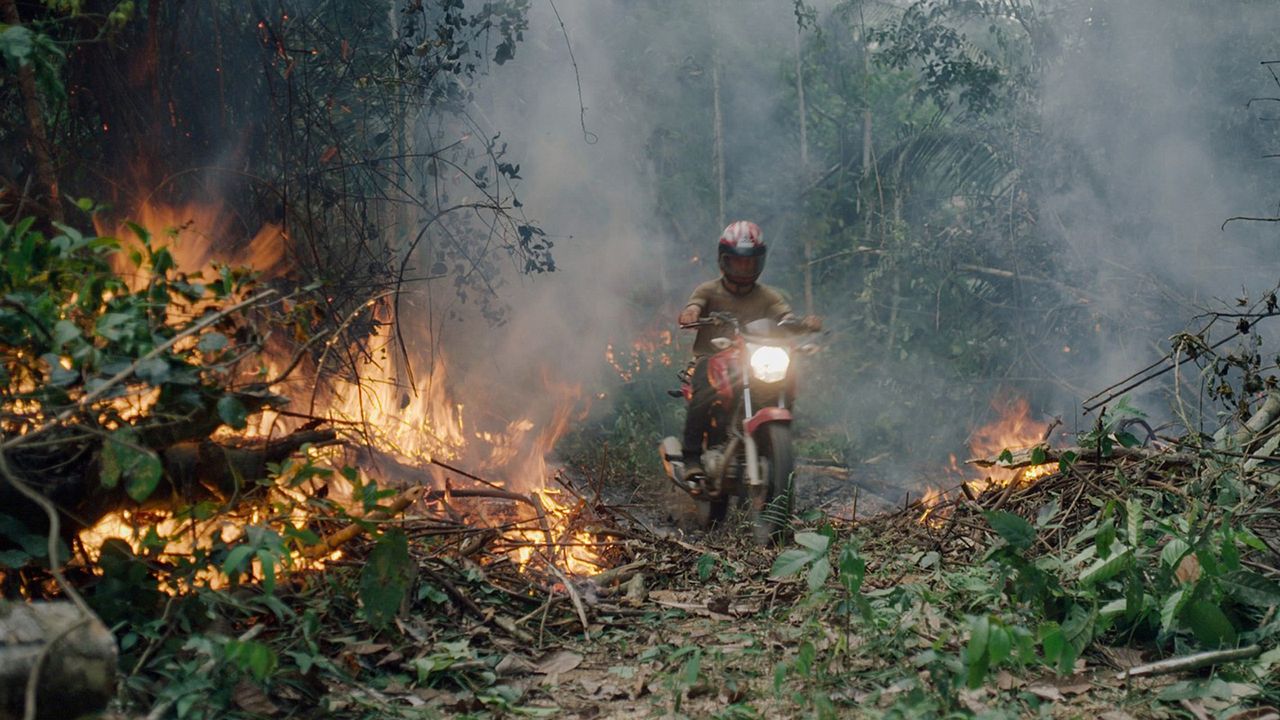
(712,296)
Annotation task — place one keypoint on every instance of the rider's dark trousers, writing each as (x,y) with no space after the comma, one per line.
(698,419)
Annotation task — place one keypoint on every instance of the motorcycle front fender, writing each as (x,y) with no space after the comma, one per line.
(765,415)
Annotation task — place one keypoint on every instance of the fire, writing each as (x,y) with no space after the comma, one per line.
(654,348)
(197,236)
(414,422)
(1013,430)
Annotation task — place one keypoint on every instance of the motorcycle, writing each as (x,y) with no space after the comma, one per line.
(748,454)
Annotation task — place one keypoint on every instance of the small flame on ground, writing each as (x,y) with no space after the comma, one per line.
(1013,430)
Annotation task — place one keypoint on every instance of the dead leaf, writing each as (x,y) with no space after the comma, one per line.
(1115,715)
(560,661)
(1046,692)
(973,700)
(1074,686)
(1266,712)
(253,700)
(512,664)
(1188,570)
(1195,707)
(368,648)
(390,658)
(1006,681)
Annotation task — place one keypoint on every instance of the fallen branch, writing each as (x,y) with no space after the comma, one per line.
(1191,662)
(348,533)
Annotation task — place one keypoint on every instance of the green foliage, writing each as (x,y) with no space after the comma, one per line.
(385,578)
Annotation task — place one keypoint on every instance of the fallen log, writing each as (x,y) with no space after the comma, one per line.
(73,655)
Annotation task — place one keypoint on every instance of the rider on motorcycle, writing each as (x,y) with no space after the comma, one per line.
(741,253)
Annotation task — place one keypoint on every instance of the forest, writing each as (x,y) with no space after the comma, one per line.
(341,374)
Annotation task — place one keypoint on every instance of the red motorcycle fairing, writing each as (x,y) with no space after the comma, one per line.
(771,413)
(724,374)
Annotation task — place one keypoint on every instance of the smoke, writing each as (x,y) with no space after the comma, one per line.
(1148,141)
(1151,108)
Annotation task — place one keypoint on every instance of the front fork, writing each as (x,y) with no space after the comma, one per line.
(751,423)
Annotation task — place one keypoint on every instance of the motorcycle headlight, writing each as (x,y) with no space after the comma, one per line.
(769,363)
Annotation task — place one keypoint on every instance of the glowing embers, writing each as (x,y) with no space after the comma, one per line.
(1013,431)
(653,349)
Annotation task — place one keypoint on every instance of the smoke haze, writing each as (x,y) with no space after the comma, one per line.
(1146,117)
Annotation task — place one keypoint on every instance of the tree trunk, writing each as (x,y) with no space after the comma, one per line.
(718,120)
(76,655)
(804,167)
(39,136)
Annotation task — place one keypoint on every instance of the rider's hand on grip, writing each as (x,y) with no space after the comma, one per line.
(689,315)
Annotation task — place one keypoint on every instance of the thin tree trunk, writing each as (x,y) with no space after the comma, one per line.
(804,167)
(39,136)
(718,120)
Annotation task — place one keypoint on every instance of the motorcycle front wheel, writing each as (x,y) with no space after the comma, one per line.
(772,503)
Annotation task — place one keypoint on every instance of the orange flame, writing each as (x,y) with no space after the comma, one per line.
(412,422)
(1013,430)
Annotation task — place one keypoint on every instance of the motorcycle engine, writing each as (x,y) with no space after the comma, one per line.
(713,462)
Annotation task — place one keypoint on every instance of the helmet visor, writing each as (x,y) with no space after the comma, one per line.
(741,269)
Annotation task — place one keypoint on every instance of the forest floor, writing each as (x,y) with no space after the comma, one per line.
(708,625)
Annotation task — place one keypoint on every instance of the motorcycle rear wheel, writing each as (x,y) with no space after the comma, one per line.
(771,509)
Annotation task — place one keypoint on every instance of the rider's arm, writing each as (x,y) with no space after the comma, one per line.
(782,311)
(697,303)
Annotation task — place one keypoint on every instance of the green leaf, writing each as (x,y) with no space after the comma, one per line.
(1127,439)
(385,578)
(1229,553)
(1105,537)
(1251,588)
(816,542)
(999,645)
(1066,460)
(64,331)
(268,561)
(1171,609)
(818,573)
(13,558)
(427,591)
(977,660)
(852,569)
(154,371)
(1116,607)
(1209,624)
(789,563)
(113,326)
(1053,643)
(1173,551)
(1133,521)
(1014,529)
(237,561)
(232,412)
(706,564)
(212,342)
(1038,455)
(1103,570)
(124,458)
(692,666)
(1005,457)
